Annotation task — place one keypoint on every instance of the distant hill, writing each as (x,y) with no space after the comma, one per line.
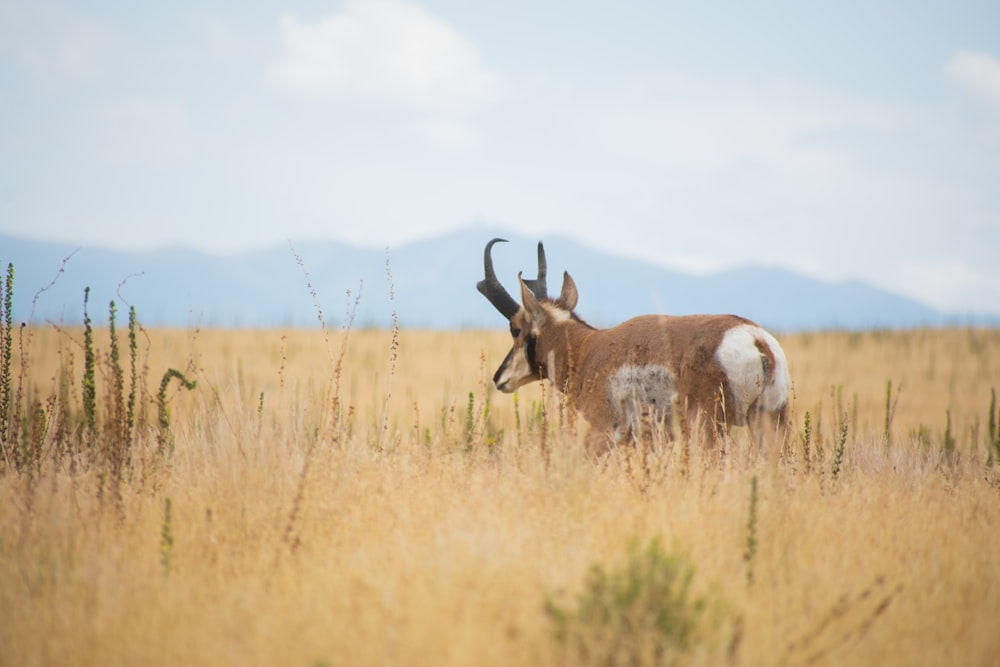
(434,287)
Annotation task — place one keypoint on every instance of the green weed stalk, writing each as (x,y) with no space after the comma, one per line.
(807,440)
(470,419)
(165,438)
(890,410)
(133,353)
(949,439)
(517,415)
(34,439)
(393,349)
(838,452)
(89,371)
(166,537)
(751,549)
(6,359)
(993,445)
(115,437)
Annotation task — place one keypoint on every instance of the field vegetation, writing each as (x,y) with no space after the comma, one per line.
(364,497)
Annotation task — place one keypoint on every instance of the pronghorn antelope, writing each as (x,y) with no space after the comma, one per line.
(723,369)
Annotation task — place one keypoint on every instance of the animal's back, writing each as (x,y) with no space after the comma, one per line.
(704,353)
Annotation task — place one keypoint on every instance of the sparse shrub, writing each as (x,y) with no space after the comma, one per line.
(642,613)
(101,437)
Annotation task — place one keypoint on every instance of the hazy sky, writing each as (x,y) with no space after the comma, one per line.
(846,140)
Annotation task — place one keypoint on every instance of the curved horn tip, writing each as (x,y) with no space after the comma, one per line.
(491,288)
(487,258)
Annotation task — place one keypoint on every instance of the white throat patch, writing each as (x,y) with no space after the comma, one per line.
(558,314)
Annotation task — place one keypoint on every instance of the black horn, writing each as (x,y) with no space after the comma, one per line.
(537,286)
(491,288)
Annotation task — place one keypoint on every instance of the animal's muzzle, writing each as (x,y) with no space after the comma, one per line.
(499,380)
(500,384)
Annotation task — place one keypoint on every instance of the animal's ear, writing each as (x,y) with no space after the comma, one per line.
(568,296)
(528,299)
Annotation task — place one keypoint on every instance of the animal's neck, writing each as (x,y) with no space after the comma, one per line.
(562,361)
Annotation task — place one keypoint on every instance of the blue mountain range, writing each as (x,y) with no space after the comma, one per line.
(433,286)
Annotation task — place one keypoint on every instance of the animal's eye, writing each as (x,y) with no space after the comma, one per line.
(515,332)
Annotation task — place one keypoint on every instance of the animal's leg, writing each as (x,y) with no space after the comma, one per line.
(597,443)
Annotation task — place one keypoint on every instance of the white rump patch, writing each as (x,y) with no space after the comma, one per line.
(639,393)
(748,370)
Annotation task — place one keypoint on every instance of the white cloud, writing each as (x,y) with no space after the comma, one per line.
(384,52)
(831,185)
(143,130)
(976,73)
(764,143)
(948,284)
(449,134)
(218,38)
(762,125)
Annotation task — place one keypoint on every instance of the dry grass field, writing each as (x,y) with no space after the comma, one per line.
(318,500)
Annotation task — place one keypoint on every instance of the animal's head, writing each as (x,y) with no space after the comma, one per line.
(533,322)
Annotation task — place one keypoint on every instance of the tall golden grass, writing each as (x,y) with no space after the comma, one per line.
(323,506)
